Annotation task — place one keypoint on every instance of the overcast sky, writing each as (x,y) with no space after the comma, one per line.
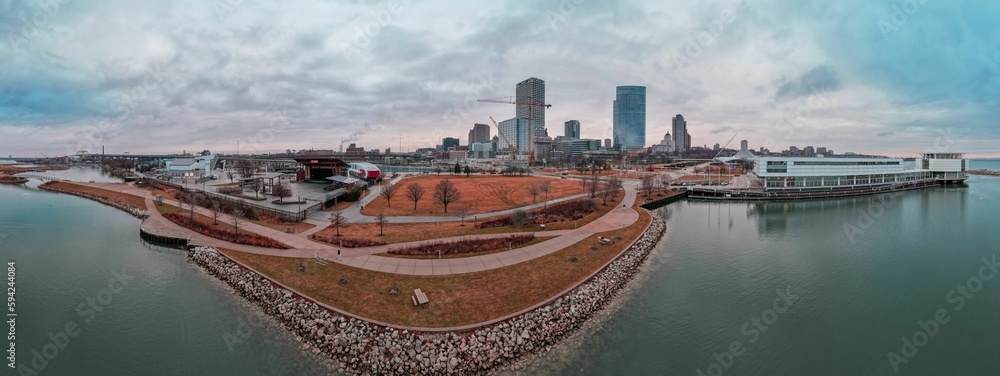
(886,77)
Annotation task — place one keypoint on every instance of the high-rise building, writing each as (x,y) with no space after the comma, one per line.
(630,117)
(743,145)
(681,137)
(572,129)
(532,90)
(479,133)
(449,142)
(607,143)
(516,131)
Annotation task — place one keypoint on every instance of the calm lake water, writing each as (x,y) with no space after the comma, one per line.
(170,319)
(859,292)
(862,284)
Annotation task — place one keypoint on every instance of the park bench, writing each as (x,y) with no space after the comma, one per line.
(419,298)
(603,240)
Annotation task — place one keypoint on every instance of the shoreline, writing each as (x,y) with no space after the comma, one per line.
(360,346)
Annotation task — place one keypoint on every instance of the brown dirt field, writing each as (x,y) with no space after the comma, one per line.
(473,194)
(135,201)
(454,300)
(409,232)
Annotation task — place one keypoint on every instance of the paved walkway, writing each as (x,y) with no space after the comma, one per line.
(368,258)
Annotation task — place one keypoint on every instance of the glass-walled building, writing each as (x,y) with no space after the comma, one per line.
(630,117)
(838,173)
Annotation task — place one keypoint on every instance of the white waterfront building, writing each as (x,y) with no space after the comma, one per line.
(803,173)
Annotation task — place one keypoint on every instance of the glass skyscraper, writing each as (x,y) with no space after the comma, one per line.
(572,129)
(532,90)
(630,117)
(516,131)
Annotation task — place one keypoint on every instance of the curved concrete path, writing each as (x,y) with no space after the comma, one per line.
(368,258)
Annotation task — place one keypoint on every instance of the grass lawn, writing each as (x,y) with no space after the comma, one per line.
(133,200)
(409,232)
(297,227)
(222,225)
(454,300)
(475,194)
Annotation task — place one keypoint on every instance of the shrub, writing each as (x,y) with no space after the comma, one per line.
(229,190)
(561,212)
(208,230)
(464,246)
(348,242)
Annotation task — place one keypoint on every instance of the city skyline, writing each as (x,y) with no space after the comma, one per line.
(170,76)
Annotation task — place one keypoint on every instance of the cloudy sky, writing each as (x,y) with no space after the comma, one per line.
(890,77)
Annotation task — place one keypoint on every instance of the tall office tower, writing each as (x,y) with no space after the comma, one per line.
(607,143)
(630,117)
(514,130)
(532,90)
(743,144)
(572,129)
(681,134)
(479,133)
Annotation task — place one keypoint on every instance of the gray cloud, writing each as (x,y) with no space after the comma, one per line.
(817,80)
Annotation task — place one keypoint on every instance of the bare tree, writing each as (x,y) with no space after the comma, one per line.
(533,190)
(216,211)
(462,211)
(230,174)
(187,202)
(337,219)
(281,190)
(666,180)
(446,193)
(237,218)
(381,219)
(545,187)
(414,192)
(606,191)
(388,191)
(614,184)
(499,190)
(648,182)
(592,184)
(246,168)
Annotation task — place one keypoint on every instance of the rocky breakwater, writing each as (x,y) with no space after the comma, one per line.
(984,172)
(131,210)
(366,348)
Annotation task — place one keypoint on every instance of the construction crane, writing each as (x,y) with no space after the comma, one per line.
(505,139)
(531,125)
